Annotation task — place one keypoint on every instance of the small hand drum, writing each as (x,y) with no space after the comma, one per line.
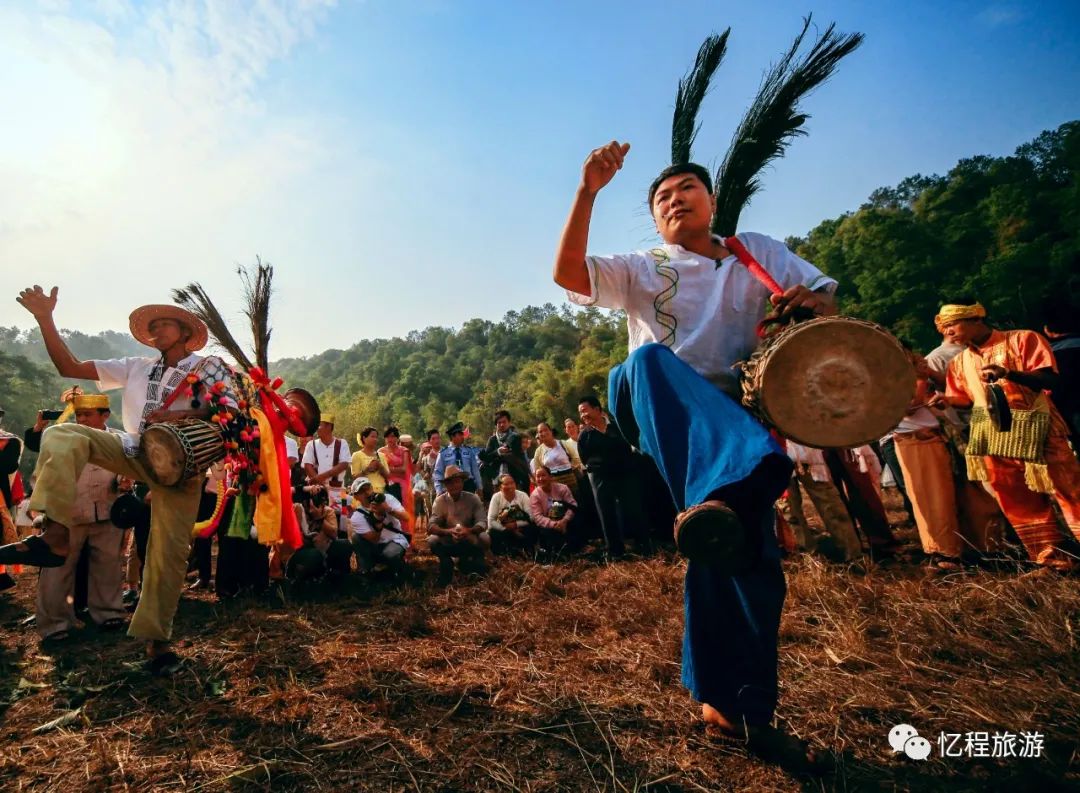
(176,451)
(830,383)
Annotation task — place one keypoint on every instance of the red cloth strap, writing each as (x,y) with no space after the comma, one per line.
(734,244)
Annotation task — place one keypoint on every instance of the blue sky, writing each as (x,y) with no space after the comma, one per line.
(411,163)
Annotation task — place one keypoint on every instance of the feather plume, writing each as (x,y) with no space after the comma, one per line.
(194,298)
(773,120)
(257,292)
(692,90)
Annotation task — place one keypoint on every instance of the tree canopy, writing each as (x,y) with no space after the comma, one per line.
(1005,230)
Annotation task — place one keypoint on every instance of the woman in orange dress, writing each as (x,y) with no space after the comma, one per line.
(398,462)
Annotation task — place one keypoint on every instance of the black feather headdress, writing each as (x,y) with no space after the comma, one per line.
(771,122)
(692,90)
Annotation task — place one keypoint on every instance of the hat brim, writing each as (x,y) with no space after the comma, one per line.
(307,406)
(140,319)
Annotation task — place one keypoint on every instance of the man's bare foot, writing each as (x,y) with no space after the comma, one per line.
(770,744)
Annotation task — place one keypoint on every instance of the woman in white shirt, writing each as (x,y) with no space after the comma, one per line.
(557,456)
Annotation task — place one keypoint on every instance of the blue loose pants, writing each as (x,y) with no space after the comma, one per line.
(706,445)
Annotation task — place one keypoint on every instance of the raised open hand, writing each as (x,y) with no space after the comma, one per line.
(34,300)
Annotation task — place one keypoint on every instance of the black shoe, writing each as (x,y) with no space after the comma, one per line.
(6,582)
(37,553)
(711,533)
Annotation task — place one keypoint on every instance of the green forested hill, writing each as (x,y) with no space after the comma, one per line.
(1005,229)
(536,362)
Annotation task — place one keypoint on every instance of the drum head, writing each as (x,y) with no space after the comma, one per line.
(835,383)
(163,454)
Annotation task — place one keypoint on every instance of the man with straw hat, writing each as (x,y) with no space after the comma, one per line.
(147,384)
(458,526)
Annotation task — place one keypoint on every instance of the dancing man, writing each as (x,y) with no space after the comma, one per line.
(692,311)
(147,383)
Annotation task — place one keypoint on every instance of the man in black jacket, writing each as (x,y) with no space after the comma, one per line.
(615,475)
(504,455)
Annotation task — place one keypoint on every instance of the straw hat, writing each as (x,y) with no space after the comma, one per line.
(140,320)
(453,472)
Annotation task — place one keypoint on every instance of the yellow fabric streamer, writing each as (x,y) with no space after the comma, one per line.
(269,503)
(953,312)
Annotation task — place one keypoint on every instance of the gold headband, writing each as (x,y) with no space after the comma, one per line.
(953,312)
(91,401)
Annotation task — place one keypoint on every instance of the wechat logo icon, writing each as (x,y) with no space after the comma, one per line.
(905,738)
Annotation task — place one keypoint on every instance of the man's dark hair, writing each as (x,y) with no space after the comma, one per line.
(378,498)
(699,171)
(367,431)
(500,413)
(392,430)
(432,432)
(591,401)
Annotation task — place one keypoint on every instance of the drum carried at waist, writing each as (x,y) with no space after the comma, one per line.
(830,382)
(174,452)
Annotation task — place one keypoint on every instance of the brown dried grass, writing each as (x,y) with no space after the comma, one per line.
(545,678)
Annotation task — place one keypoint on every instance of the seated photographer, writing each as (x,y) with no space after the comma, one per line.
(322,550)
(458,527)
(377,536)
(509,523)
(554,511)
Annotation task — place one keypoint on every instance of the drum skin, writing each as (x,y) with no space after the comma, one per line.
(830,383)
(175,451)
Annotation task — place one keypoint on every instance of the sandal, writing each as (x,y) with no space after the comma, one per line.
(712,533)
(57,637)
(37,553)
(165,664)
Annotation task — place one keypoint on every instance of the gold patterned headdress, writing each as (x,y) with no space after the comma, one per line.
(954,312)
(77,400)
(91,402)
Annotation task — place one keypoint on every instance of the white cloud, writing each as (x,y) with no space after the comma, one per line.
(999,15)
(138,152)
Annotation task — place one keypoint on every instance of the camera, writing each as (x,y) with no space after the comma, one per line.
(51,415)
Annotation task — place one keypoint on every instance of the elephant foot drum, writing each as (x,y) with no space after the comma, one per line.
(830,383)
(175,452)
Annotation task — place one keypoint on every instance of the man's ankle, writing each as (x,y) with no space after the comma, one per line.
(712,716)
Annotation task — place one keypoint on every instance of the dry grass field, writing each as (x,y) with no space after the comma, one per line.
(545,678)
